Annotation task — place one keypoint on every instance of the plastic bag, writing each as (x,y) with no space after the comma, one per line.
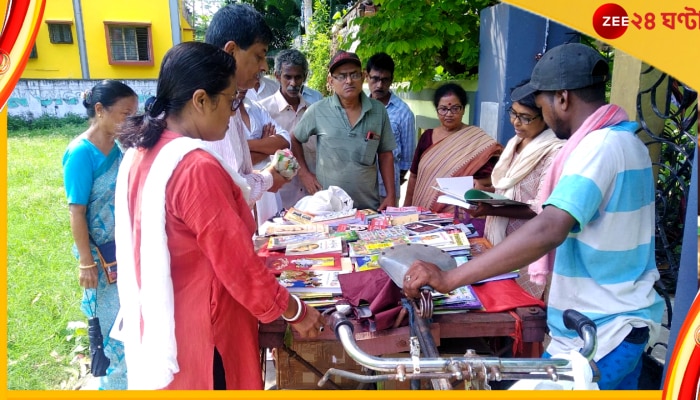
(333,199)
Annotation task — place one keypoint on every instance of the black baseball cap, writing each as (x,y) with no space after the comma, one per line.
(567,66)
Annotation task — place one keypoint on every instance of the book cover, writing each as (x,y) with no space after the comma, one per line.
(366,263)
(404,219)
(335,216)
(442,240)
(458,241)
(382,234)
(301,281)
(292,229)
(281,242)
(431,239)
(402,210)
(479,245)
(468,229)
(380,222)
(296,216)
(475,196)
(362,248)
(278,264)
(329,245)
(350,227)
(346,235)
(462,298)
(421,227)
(439,218)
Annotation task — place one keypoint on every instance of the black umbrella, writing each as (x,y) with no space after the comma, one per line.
(99,362)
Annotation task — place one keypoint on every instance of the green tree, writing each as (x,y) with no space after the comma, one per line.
(199,15)
(317,46)
(428,40)
(283,17)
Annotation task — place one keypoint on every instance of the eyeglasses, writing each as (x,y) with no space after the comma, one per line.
(376,79)
(355,76)
(523,118)
(454,110)
(236,101)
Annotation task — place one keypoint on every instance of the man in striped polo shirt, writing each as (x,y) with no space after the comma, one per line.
(598,213)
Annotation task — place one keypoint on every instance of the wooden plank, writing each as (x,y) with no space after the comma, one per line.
(465,325)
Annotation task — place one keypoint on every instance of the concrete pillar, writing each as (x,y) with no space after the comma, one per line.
(510,39)
(634,84)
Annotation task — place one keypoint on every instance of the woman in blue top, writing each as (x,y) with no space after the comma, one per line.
(90,166)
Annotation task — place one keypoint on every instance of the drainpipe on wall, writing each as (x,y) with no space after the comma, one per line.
(175,21)
(80,33)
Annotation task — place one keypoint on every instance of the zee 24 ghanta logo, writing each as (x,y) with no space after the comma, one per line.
(611,21)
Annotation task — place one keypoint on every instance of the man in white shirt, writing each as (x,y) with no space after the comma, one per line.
(287,106)
(264,88)
(264,137)
(242,32)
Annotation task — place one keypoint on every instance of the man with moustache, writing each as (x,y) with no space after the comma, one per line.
(286,107)
(353,133)
(380,73)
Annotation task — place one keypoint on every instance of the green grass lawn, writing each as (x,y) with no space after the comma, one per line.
(42,276)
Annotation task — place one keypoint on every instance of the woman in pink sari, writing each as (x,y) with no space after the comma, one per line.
(452,149)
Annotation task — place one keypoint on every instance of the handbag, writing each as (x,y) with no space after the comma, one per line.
(107,253)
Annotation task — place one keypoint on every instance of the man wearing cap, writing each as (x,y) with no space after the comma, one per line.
(353,131)
(598,213)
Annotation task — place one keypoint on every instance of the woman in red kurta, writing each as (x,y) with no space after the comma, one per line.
(204,293)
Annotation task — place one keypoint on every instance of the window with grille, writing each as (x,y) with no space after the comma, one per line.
(60,33)
(33,54)
(128,44)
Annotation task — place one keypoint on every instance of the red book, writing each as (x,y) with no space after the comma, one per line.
(314,262)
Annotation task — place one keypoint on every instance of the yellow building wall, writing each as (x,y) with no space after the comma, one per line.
(154,12)
(55,61)
(186,32)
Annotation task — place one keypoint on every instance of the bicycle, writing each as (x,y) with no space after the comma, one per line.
(476,371)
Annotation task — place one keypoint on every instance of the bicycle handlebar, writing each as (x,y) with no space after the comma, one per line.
(469,367)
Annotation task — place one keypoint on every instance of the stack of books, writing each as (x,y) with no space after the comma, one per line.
(308,256)
(459,300)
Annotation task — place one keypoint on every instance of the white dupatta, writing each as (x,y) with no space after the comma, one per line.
(151,355)
(505,177)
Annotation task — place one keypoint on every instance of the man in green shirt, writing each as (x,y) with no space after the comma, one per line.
(353,133)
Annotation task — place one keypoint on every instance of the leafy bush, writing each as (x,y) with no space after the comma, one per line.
(45,121)
(317,46)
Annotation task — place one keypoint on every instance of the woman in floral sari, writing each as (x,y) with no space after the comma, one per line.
(450,150)
(90,166)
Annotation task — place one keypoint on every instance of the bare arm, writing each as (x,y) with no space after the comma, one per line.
(533,240)
(256,157)
(309,324)
(515,212)
(386,169)
(268,145)
(307,178)
(79,228)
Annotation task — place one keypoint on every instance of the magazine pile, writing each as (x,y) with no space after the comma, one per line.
(308,255)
